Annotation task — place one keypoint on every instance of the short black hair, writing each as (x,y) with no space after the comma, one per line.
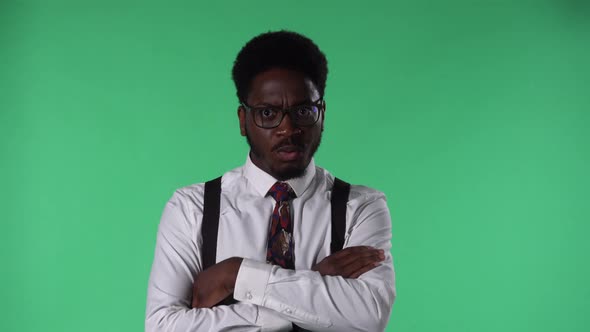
(279,49)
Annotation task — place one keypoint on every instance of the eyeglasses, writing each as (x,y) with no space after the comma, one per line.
(269,117)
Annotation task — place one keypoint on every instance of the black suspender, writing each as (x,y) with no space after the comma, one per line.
(340,192)
(210,224)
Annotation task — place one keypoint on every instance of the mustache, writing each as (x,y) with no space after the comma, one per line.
(289,143)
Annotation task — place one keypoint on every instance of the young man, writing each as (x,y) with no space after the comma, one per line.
(278,244)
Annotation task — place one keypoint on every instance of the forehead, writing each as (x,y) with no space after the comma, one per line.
(281,86)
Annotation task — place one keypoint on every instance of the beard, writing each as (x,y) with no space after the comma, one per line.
(289,173)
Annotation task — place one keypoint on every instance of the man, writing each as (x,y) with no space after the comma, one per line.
(273,254)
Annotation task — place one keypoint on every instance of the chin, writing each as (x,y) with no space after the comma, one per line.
(290,172)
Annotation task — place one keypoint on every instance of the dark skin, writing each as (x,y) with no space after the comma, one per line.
(281,89)
(283,152)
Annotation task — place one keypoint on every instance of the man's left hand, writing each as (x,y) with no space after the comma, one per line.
(215,283)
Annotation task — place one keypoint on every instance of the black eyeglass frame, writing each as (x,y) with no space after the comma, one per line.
(318,103)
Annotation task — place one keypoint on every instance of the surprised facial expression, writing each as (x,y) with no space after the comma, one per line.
(286,150)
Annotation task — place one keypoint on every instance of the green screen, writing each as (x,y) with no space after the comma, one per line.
(472,116)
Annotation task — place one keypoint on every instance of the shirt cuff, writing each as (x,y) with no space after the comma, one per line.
(270,321)
(251,281)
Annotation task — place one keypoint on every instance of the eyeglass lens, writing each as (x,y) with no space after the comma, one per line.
(302,116)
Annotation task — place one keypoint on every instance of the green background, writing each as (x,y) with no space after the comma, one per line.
(472,116)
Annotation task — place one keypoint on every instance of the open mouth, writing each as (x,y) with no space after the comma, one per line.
(290,152)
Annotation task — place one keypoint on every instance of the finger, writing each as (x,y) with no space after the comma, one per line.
(363,270)
(335,264)
(212,298)
(361,262)
(351,250)
(372,253)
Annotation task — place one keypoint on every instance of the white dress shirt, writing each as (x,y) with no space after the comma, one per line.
(271,298)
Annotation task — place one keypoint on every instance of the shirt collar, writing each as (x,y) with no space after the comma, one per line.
(262,181)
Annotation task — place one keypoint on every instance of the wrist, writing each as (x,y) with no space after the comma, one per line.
(231,277)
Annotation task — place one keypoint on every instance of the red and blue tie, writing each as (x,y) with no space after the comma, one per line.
(279,250)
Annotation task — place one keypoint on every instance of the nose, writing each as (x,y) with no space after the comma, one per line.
(287,127)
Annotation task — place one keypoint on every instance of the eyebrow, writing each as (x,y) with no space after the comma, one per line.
(306,101)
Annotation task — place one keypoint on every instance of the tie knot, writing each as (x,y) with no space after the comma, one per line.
(281,191)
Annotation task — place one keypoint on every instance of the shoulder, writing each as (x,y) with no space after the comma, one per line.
(364,203)
(364,193)
(358,193)
(368,213)
(190,198)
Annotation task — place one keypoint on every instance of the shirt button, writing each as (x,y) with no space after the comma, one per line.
(288,311)
(248,295)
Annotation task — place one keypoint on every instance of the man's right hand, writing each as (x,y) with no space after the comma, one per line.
(350,262)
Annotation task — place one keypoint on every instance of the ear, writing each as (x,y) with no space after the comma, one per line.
(242,118)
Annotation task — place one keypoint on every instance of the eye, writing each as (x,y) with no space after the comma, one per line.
(305,111)
(268,113)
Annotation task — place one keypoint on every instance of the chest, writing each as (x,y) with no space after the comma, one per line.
(244,224)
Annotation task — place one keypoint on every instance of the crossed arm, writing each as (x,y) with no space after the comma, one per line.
(352,290)
(218,282)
